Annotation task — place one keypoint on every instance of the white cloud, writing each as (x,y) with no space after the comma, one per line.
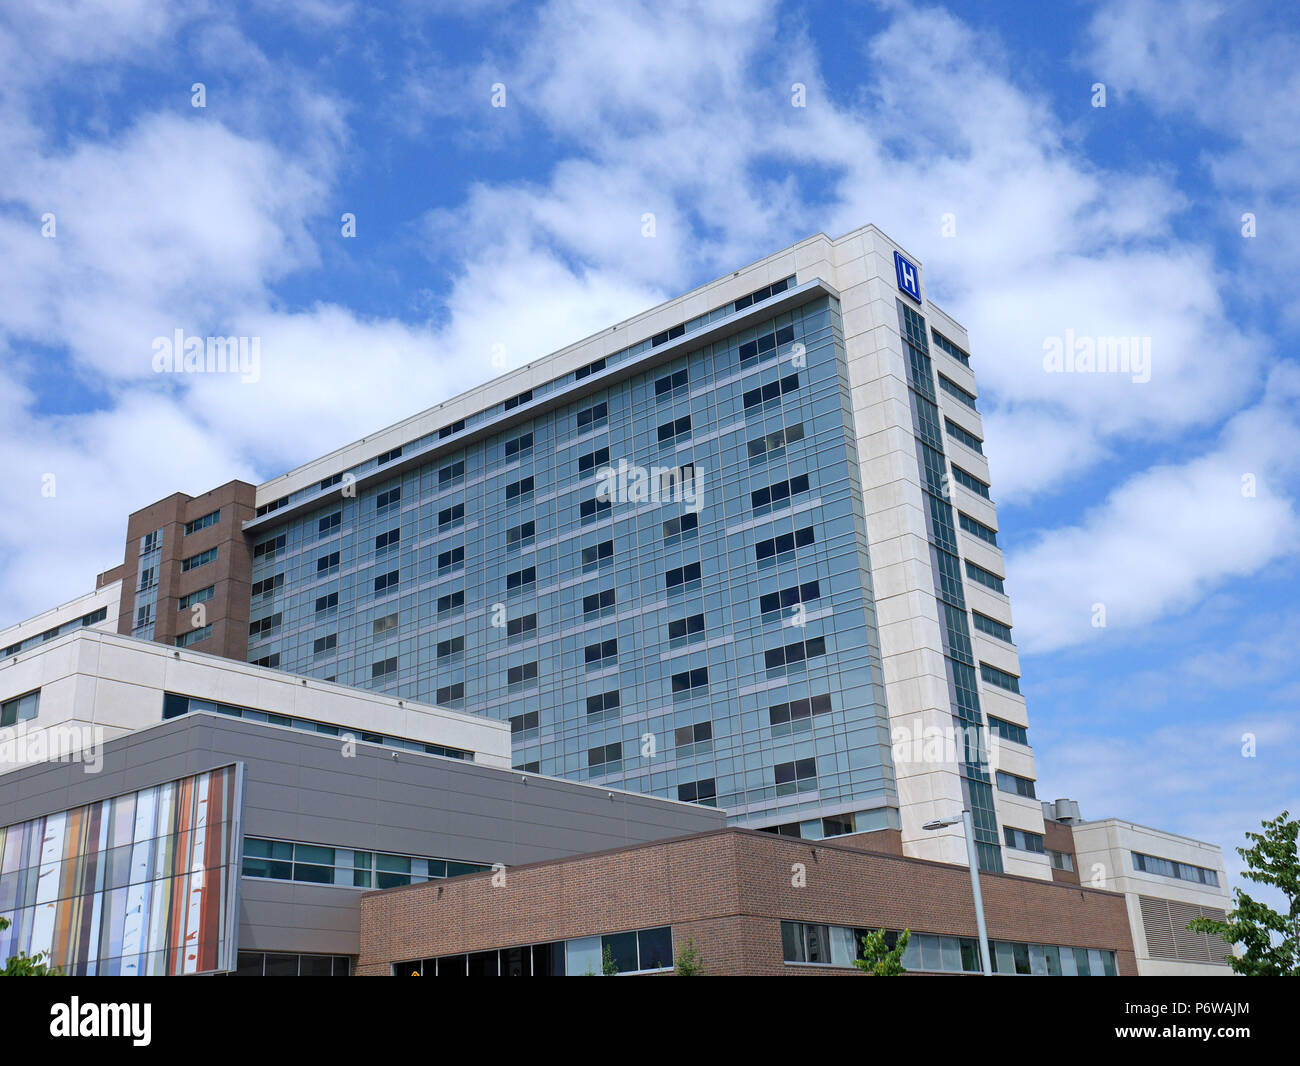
(1167,536)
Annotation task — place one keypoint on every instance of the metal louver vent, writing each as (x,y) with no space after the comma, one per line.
(1164,922)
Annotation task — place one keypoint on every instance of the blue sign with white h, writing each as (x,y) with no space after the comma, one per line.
(908,279)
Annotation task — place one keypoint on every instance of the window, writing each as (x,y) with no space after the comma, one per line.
(20,709)
(524,723)
(786,598)
(765,293)
(1017,734)
(451,560)
(787,714)
(94,617)
(690,682)
(671,433)
(1016,785)
(775,495)
(451,516)
(267,586)
(978,529)
(329,524)
(518,447)
(797,776)
(518,489)
(765,344)
(992,626)
(683,526)
(521,536)
(945,345)
(521,580)
(274,505)
(268,549)
(386,583)
(593,460)
(451,648)
(514,401)
(794,655)
(452,601)
(683,578)
(971,482)
(703,792)
(768,550)
(451,474)
(264,627)
(589,369)
(597,555)
(688,736)
(1001,678)
(327,603)
(272,661)
(190,599)
(984,577)
(670,334)
(144,615)
(962,436)
(1061,860)
(195,561)
(450,695)
(957,392)
(520,628)
(388,498)
(601,654)
(605,701)
(684,630)
(384,625)
(455,427)
(148,578)
(597,603)
(389,456)
(770,443)
(327,563)
(671,383)
(594,510)
(1181,871)
(193,637)
(151,542)
(384,667)
(210,519)
(771,392)
(593,417)
(1022,840)
(324,645)
(387,541)
(604,755)
(521,675)
(328,483)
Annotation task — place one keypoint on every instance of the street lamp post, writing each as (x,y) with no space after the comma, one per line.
(972,860)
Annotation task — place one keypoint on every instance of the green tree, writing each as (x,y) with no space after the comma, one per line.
(1270,941)
(22,965)
(878,958)
(688,961)
(608,964)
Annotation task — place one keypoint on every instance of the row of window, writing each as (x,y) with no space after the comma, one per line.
(272,964)
(636,951)
(89,619)
(1181,871)
(175,705)
(835,945)
(282,860)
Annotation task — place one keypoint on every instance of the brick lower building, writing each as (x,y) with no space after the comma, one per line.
(751,903)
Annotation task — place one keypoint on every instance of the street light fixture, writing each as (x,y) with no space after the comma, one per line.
(972,860)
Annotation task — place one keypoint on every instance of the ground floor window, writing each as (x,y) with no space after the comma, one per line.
(607,954)
(273,964)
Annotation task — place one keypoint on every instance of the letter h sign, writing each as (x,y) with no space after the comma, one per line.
(908,280)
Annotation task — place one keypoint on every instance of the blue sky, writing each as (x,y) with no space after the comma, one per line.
(516,230)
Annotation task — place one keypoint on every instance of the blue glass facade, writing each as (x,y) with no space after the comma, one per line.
(719,648)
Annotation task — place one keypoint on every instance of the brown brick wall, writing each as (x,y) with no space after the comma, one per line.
(231,573)
(728,891)
(1060,837)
